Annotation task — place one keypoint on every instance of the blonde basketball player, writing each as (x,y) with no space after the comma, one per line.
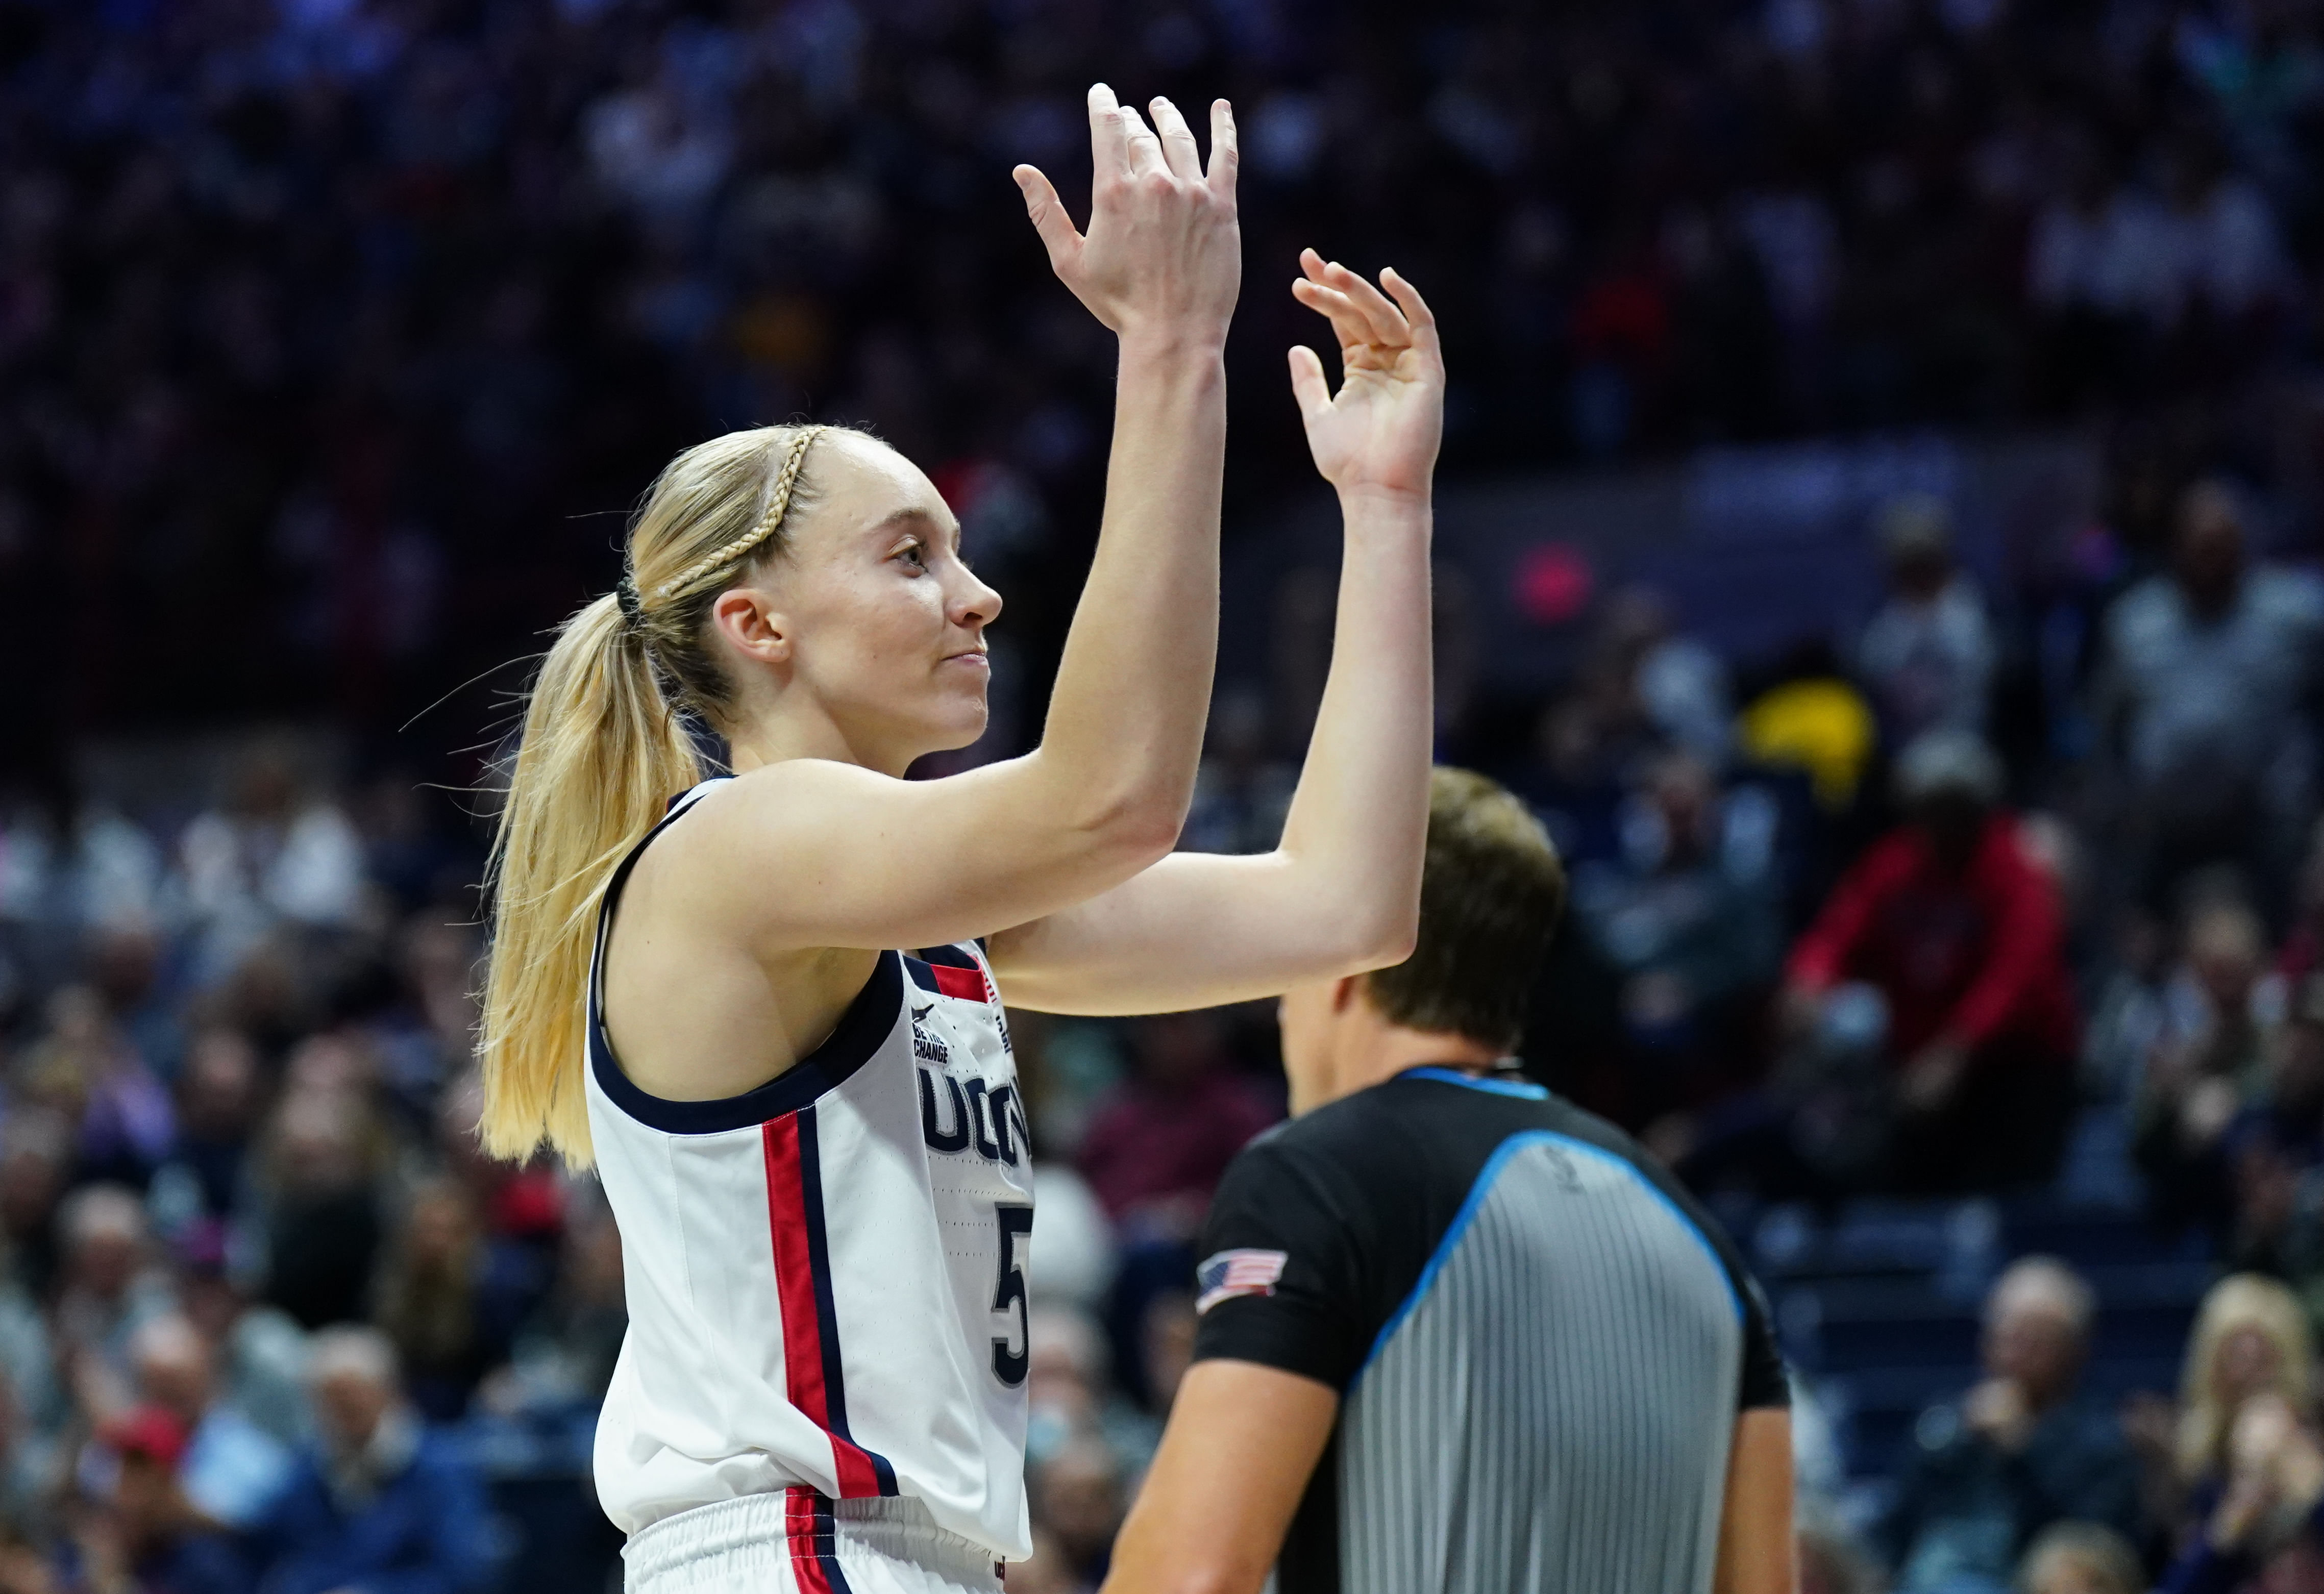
(811,1136)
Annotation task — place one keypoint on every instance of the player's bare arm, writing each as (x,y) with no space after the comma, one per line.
(1339,895)
(777,892)
(1755,1553)
(1232,1465)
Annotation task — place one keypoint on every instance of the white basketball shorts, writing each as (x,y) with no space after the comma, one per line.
(798,1542)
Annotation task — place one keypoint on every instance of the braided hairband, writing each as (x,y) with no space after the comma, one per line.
(768,523)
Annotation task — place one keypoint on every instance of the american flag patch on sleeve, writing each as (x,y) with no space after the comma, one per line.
(1230,1274)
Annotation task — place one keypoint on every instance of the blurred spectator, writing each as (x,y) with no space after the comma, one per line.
(564,1353)
(140,1534)
(1240,794)
(28,1471)
(218,1110)
(434,1300)
(1687,915)
(2088,249)
(35,1165)
(232,1468)
(2258,1527)
(1157,1146)
(379,1501)
(324,1229)
(127,964)
(1077,1493)
(2019,1452)
(1674,686)
(2275,1141)
(2127,1013)
(521,1208)
(1071,1397)
(1928,656)
(2209,1060)
(1169,1342)
(2208,671)
(2250,1341)
(261,1354)
(103,873)
(1046,1570)
(1831,1561)
(110,1285)
(269,854)
(1959,931)
(1072,1252)
(85,1069)
(2081,1558)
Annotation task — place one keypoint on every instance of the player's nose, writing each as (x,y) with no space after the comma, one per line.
(973,603)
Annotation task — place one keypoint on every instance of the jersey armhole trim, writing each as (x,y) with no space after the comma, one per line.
(1494,1165)
(869,1019)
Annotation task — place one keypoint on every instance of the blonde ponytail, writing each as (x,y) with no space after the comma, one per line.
(602,754)
(604,750)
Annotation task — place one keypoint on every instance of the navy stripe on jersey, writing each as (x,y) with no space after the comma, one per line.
(826,1311)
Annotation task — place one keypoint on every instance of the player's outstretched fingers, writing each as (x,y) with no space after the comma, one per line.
(1322,290)
(1226,154)
(1178,149)
(1109,138)
(1416,313)
(1379,312)
(1145,149)
(1059,235)
(1348,324)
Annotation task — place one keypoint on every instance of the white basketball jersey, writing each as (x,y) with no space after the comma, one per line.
(825,1275)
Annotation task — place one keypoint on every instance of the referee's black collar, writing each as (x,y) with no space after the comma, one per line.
(1502,1082)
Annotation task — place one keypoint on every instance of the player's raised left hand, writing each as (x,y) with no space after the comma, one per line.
(1379,432)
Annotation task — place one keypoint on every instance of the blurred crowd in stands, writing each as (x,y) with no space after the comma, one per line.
(327,326)
(341,331)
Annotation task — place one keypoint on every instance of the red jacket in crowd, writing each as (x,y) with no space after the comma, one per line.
(1978,957)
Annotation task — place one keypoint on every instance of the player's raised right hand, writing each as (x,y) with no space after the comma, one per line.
(1163,255)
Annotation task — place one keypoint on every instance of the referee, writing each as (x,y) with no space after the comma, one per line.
(1456,1334)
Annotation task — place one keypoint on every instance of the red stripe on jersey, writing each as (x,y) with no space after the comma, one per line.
(793,1274)
(961,983)
(803,1346)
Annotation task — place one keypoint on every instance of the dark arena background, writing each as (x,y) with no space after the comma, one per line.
(1826,375)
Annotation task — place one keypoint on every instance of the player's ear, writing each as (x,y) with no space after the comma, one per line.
(750,621)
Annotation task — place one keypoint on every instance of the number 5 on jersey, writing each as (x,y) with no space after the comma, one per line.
(1016,1223)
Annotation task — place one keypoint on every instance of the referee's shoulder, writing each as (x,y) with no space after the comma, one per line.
(1357,1139)
(1415,1126)
(1353,1124)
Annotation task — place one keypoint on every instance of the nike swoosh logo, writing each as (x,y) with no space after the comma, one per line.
(920,1013)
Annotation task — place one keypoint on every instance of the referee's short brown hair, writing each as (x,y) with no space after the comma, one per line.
(1489,895)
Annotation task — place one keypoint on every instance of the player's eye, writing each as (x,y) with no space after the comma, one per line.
(915,554)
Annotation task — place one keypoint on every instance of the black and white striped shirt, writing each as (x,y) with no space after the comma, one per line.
(1541,1341)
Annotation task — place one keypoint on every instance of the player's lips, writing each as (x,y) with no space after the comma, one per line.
(975,659)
